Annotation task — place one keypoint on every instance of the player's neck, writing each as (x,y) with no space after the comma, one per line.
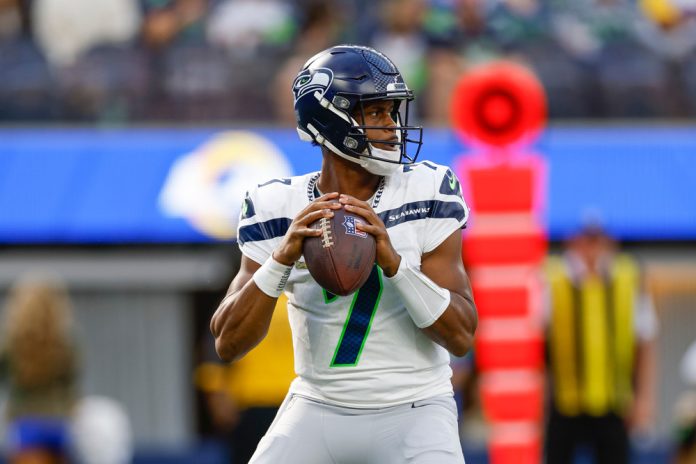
(343,176)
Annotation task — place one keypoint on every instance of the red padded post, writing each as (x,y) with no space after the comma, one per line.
(504,239)
(515,443)
(512,395)
(502,292)
(502,189)
(509,344)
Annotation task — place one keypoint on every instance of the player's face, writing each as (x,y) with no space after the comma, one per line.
(378,113)
(591,248)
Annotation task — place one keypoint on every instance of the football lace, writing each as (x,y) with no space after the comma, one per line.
(325,226)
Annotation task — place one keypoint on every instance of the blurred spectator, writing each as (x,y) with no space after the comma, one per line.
(685,411)
(40,365)
(207,60)
(243,26)
(688,365)
(101,432)
(173,22)
(401,37)
(517,24)
(320,27)
(667,29)
(96,70)
(458,35)
(66,29)
(583,27)
(445,67)
(14,19)
(601,338)
(322,24)
(243,398)
(685,423)
(451,23)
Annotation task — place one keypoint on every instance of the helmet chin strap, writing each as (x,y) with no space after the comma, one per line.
(371,165)
(382,168)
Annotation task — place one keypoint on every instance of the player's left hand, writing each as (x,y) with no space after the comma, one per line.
(386,256)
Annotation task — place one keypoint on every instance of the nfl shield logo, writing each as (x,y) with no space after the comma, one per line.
(349,223)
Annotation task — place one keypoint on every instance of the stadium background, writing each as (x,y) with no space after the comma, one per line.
(128,138)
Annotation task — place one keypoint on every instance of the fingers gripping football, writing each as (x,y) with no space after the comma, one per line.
(386,256)
(290,248)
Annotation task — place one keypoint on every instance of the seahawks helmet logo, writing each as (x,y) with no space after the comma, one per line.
(310,81)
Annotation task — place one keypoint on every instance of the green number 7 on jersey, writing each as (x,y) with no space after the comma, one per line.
(360,315)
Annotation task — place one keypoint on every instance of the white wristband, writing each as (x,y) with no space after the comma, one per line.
(271,277)
(425,301)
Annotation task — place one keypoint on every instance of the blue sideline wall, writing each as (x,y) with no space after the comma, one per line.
(63,185)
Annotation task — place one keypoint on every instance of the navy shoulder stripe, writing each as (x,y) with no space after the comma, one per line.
(264,230)
(410,167)
(248,208)
(450,184)
(423,210)
(448,209)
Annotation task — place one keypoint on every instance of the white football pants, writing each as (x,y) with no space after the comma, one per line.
(310,432)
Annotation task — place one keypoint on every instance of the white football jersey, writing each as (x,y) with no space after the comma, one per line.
(361,350)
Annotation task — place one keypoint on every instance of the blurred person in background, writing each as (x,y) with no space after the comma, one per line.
(685,411)
(583,28)
(67,29)
(667,29)
(600,339)
(168,22)
(400,35)
(39,363)
(15,20)
(457,35)
(25,81)
(101,432)
(246,27)
(685,428)
(321,23)
(445,68)
(243,398)
(79,80)
(518,24)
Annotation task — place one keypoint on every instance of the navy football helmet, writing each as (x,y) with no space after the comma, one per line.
(336,83)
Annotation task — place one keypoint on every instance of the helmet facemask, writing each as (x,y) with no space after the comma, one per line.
(358,144)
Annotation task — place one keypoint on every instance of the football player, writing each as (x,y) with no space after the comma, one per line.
(373,375)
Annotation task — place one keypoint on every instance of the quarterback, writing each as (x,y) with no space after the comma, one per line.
(382,393)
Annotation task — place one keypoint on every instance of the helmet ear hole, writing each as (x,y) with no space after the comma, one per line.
(341,102)
(351,143)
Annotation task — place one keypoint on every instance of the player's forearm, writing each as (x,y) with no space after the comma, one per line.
(456,327)
(241,321)
(447,316)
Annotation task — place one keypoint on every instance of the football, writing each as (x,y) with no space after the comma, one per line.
(342,257)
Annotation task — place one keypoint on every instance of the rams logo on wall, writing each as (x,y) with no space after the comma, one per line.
(207,186)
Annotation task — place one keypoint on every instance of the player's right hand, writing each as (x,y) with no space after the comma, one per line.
(290,248)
